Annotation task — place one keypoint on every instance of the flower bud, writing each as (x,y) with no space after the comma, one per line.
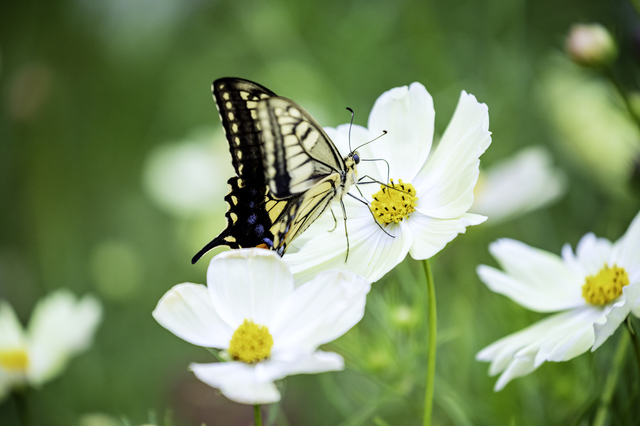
(591,45)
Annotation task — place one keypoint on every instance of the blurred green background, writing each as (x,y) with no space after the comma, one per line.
(96,94)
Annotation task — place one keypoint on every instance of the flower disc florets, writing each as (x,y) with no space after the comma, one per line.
(394,202)
(15,360)
(605,286)
(250,343)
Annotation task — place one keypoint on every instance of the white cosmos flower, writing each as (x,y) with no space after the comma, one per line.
(267,327)
(524,182)
(441,181)
(593,290)
(61,326)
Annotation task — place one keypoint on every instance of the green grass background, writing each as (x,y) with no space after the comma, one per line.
(89,88)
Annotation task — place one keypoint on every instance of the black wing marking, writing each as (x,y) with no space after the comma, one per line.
(249,222)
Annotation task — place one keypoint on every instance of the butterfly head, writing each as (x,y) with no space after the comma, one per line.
(355,156)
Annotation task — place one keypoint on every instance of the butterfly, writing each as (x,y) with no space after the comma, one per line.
(288,171)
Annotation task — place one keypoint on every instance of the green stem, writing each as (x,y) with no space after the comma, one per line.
(431,361)
(610,384)
(623,94)
(634,340)
(257,415)
(22,407)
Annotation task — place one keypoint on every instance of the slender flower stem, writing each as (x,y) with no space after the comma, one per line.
(22,407)
(610,384)
(634,340)
(623,94)
(257,415)
(431,361)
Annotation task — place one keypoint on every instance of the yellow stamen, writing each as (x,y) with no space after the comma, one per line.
(394,202)
(605,286)
(250,343)
(15,360)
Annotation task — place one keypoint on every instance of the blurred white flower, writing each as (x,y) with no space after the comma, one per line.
(267,328)
(434,188)
(186,179)
(61,326)
(595,289)
(525,182)
(591,45)
(592,124)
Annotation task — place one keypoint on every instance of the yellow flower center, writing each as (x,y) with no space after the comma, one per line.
(394,202)
(15,360)
(250,343)
(605,286)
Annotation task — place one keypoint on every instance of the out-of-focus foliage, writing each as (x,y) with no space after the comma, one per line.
(91,91)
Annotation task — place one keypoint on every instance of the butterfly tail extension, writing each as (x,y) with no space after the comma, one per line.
(248,221)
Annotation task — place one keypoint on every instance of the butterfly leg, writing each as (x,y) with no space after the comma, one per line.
(346,233)
(335,221)
(367,204)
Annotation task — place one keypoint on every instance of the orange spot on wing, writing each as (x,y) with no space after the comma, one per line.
(263,246)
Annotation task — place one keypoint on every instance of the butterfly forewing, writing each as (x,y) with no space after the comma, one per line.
(297,152)
(237,101)
(249,220)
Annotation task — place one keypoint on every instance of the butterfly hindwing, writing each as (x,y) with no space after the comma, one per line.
(308,207)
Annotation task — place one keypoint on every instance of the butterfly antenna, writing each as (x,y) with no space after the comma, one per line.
(350,126)
(384,132)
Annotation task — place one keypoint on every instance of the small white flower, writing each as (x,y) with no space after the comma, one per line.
(586,111)
(595,289)
(522,183)
(183,178)
(268,328)
(61,326)
(438,186)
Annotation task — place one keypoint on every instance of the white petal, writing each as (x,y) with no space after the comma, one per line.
(430,235)
(11,332)
(320,311)
(372,253)
(446,182)
(572,262)
(61,326)
(277,368)
(248,284)
(616,313)
(593,253)
(522,183)
(237,381)
(186,311)
(627,249)
(559,337)
(536,279)
(407,114)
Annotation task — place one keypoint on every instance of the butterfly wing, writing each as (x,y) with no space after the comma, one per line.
(297,152)
(300,161)
(305,210)
(252,212)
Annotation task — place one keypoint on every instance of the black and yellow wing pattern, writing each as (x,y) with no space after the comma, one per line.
(287,169)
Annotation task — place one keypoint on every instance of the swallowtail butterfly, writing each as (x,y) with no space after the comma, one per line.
(287,169)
